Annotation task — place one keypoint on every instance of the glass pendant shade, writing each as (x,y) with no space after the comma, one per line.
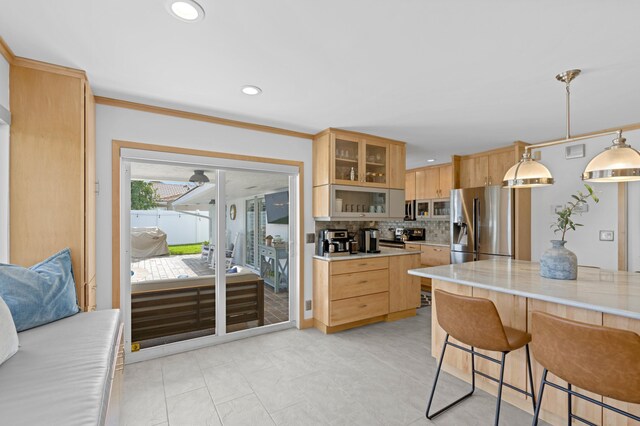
(528,173)
(618,163)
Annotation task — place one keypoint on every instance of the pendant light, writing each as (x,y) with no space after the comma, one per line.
(199,177)
(618,163)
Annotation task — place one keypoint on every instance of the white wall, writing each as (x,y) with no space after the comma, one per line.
(180,227)
(633,216)
(117,123)
(4,82)
(4,162)
(603,216)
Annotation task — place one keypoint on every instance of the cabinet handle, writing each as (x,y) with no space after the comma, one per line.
(485,180)
(489,180)
(362,215)
(363,282)
(435,249)
(363,306)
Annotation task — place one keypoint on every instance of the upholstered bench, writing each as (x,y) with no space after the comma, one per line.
(65,373)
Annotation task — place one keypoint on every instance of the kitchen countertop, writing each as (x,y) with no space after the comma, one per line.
(428,243)
(612,292)
(384,252)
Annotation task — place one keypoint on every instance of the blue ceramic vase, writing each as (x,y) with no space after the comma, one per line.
(558,262)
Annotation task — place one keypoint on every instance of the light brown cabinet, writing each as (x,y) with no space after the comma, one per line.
(486,169)
(410,186)
(432,182)
(52,170)
(350,293)
(430,256)
(349,158)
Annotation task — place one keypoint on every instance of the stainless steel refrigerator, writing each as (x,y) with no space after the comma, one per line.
(482,223)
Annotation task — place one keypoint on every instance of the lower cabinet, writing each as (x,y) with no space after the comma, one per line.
(350,293)
(430,256)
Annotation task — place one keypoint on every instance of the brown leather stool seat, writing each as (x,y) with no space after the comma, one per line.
(476,322)
(602,360)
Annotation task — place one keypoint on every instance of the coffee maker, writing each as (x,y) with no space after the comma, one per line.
(334,242)
(369,240)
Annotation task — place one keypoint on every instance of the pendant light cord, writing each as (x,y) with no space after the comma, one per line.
(568,111)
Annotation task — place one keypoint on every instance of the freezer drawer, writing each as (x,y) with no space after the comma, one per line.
(462,257)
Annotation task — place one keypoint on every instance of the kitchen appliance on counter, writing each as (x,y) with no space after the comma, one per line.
(404,234)
(482,223)
(334,243)
(369,240)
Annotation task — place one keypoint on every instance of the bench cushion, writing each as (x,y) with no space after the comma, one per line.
(62,372)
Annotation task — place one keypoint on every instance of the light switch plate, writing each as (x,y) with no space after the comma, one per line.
(310,238)
(606,235)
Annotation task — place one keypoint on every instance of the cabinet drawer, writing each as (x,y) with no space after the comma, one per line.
(435,256)
(359,265)
(408,246)
(359,308)
(358,284)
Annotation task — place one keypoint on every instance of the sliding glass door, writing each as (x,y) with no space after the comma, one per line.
(211,250)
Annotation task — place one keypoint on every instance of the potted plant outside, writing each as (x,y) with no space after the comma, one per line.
(559,262)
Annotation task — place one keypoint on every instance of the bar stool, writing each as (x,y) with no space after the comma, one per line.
(602,360)
(476,322)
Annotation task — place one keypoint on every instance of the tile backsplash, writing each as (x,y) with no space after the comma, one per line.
(437,231)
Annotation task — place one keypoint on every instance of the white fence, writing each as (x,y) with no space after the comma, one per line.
(180,227)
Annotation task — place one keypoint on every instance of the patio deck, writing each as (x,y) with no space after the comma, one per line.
(276,306)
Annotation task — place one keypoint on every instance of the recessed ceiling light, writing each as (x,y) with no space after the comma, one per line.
(431,160)
(185,10)
(251,90)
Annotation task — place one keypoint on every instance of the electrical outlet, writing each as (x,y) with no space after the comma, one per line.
(310,238)
(307,305)
(557,208)
(606,235)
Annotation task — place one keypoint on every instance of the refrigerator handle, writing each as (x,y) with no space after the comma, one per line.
(476,224)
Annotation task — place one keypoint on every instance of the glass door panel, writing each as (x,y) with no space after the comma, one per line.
(376,157)
(257,289)
(172,263)
(347,161)
(359,202)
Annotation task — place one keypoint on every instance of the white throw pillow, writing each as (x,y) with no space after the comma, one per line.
(8,334)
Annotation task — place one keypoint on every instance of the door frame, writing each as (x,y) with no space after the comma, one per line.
(116,250)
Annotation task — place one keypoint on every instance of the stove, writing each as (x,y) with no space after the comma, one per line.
(403,235)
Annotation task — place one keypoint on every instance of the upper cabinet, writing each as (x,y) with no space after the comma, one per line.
(347,158)
(488,168)
(431,182)
(410,186)
(373,167)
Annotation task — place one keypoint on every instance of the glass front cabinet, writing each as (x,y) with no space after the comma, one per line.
(359,162)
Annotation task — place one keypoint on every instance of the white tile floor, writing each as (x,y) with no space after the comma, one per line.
(375,375)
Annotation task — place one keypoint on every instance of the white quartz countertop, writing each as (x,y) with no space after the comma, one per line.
(612,292)
(428,243)
(384,252)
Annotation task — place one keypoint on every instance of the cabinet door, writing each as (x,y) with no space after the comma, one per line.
(432,182)
(499,164)
(397,167)
(446,181)
(345,156)
(421,188)
(410,186)
(404,289)
(474,172)
(375,163)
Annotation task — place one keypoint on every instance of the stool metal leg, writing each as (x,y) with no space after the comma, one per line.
(540,392)
(569,411)
(501,381)
(435,383)
(533,396)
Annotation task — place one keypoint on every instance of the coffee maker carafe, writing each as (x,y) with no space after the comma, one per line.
(369,240)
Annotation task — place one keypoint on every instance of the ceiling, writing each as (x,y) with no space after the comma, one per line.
(239,184)
(448,77)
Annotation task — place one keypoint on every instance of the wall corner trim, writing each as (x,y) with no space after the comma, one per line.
(6,51)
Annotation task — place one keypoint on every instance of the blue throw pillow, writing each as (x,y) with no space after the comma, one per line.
(40,294)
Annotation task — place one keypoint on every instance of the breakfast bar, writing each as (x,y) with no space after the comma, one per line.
(601,297)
